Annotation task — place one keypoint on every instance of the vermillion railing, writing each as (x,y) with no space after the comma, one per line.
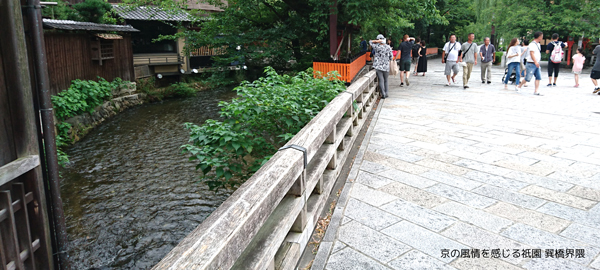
(347,71)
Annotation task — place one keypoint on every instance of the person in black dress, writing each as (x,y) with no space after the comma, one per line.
(422,67)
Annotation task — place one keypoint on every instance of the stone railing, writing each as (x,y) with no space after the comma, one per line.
(268,221)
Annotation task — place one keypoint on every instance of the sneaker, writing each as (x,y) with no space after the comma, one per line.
(517,88)
(549,85)
(482,81)
(401,84)
(554,84)
(406,80)
(489,82)
(596,90)
(448,84)
(537,94)
(466,86)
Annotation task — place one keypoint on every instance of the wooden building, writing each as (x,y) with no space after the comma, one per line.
(84,50)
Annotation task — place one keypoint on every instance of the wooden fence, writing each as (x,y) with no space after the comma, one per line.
(347,71)
(70,56)
(268,221)
(24,232)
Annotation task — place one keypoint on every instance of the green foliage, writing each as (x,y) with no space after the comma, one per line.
(97,11)
(83,96)
(62,140)
(498,59)
(181,90)
(267,113)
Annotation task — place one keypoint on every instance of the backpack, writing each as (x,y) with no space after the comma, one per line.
(557,53)
(415,50)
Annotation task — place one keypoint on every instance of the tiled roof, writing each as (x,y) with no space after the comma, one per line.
(198,5)
(87,26)
(150,13)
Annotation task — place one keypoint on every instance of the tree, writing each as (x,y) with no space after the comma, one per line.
(96,11)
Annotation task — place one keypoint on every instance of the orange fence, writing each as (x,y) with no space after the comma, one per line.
(432,51)
(346,71)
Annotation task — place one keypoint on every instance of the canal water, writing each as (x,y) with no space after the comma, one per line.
(129,194)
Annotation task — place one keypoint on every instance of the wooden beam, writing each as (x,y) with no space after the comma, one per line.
(17,168)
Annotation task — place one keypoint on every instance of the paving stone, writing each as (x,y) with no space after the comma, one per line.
(372,180)
(545,264)
(425,139)
(495,180)
(585,192)
(374,157)
(529,217)
(544,240)
(337,246)
(407,178)
(349,259)
(583,233)
(535,169)
(427,218)
(413,235)
(404,166)
(588,218)
(370,196)
(576,179)
(399,154)
(462,196)
(416,260)
(474,216)
(414,195)
(558,197)
(499,148)
(345,220)
(434,146)
(389,138)
(442,166)
(558,161)
(495,156)
(487,264)
(596,264)
(509,196)
(369,215)
(370,242)
(373,167)
(482,239)
(436,155)
(452,180)
(479,166)
(541,181)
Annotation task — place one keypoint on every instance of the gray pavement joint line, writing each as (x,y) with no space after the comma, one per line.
(347,188)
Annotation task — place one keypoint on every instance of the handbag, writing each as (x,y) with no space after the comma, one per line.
(394,68)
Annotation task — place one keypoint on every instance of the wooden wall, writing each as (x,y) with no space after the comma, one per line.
(7,149)
(69,58)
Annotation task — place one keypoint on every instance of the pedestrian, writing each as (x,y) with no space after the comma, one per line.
(415,54)
(596,70)
(533,62)
(556,49)
(578,60)
(513,56)
(469,56)
(525,52)
(487,52)
(450,54)
(405,49)
(381,62)
(422,66)
(363,45)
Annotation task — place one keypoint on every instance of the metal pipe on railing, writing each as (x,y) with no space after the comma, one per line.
(34,17)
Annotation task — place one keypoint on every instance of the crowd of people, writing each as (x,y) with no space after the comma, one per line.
(522,58)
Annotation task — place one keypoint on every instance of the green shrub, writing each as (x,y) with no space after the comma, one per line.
(181,90)
(83,96)
(267,113)
(62,139)
(499,57)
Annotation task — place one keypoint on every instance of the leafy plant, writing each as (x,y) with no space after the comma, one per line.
(83,96)
(267,113)
(499,57)
(181,90)
(62,139)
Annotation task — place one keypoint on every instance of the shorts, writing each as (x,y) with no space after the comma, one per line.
(415,60)
(450,67)
(405,65)
(531,71)
(595,74)
(576,72)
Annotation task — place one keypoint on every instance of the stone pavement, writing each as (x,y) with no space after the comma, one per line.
(446,177)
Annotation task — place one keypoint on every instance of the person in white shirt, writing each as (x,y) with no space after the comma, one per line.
(533,62)
(525,52)
(450,55)
(513,55)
